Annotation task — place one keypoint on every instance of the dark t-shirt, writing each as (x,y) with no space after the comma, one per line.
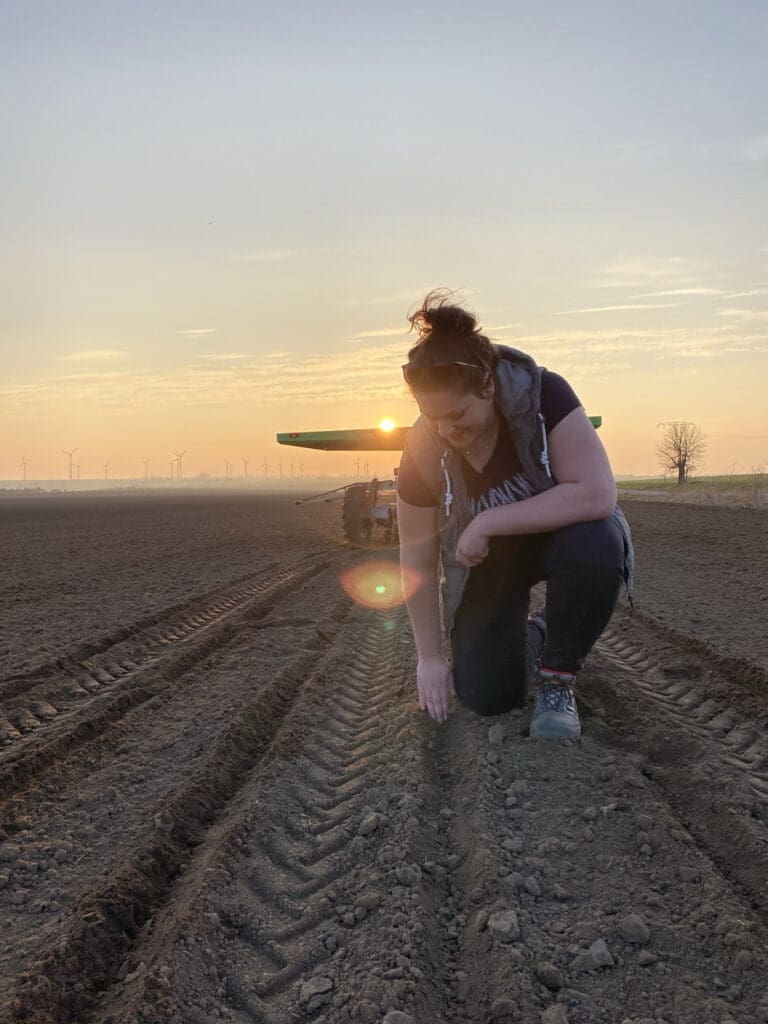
(502,480)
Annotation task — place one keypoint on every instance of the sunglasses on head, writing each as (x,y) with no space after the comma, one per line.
(418,375)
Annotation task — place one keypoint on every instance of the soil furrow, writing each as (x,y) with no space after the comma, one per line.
(721,798)
(280,906)
(86,950)
(85,722)
(58,687)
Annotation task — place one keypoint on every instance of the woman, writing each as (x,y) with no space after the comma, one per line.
(505,482)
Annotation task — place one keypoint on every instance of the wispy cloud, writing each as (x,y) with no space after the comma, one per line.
(650,271)
(195,332)
(611,309)
(754,149)
(754,315)
(672,292)
(268,256)
(372,371)
(747,294)
(387,332)
(281,255)
(225,356)
(412,296)
(93,355)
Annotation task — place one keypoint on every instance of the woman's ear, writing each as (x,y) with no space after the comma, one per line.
(488,389)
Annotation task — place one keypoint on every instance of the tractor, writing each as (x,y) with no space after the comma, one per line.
(365,505)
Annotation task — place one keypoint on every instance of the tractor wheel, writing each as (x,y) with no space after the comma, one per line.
(355,518)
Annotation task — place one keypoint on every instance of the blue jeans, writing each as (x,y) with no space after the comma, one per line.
(584,565)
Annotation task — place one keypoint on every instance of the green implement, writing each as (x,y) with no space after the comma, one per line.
(365,439)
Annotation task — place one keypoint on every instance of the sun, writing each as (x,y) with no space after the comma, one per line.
(387,425)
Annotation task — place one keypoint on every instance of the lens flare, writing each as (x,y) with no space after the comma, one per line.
(379,585)
(387,425)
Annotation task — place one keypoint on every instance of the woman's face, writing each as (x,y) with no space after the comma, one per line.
(458,417)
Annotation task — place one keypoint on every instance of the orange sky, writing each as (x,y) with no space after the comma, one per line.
(214,230)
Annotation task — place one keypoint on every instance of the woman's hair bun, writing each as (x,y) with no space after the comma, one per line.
(439,316)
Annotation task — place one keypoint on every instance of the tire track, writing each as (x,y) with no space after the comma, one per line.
(83,956)
(379,862)
(698,741)
(741,741)
(64,733)
(72,676)
(291,894)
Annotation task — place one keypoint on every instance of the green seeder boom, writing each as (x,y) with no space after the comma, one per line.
(364,439)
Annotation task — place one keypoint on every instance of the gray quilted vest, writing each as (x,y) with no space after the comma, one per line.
(518,394)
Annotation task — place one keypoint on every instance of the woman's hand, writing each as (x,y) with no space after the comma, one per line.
(473,544)
(434,681)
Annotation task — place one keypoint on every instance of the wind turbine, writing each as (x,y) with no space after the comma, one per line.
(265,467)
(106,470)
(245,468)
(146,469)
(178,461)
(23,466)
(69,456)
(228,470)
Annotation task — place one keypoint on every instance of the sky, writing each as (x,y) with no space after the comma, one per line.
(216,218)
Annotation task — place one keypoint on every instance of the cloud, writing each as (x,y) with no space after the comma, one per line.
(671,292)
(225,356)
(93,355)
(195,332)
(372,371)
(411,295)
(611,309)
(756,315)
(743,295)
(650,271)
(270,256)
(281,255)
(754,149)
(387,332)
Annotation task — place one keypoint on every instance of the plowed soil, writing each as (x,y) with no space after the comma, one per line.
(220,802)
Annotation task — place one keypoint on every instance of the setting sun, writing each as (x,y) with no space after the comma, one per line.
(387,425)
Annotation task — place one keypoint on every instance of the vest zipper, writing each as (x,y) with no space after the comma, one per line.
(448,491)
(544,457)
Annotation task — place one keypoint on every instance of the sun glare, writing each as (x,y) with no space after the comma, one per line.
(387,425)
(379,584)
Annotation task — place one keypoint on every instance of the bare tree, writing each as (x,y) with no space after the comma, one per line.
(681,448)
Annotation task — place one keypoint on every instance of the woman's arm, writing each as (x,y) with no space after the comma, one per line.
(420,559)
(585,491)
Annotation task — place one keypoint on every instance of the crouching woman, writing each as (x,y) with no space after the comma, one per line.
(503,483)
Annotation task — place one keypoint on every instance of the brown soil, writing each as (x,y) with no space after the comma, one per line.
(219,801)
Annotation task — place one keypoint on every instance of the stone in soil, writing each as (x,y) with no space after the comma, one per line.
(598,955)
(504,923)
(633,929)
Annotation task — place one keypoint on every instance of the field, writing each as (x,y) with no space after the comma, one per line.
(740,489)
(219,801)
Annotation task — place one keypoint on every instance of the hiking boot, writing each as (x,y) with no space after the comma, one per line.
(555,716)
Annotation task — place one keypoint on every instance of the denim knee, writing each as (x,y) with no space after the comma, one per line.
(491,697)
